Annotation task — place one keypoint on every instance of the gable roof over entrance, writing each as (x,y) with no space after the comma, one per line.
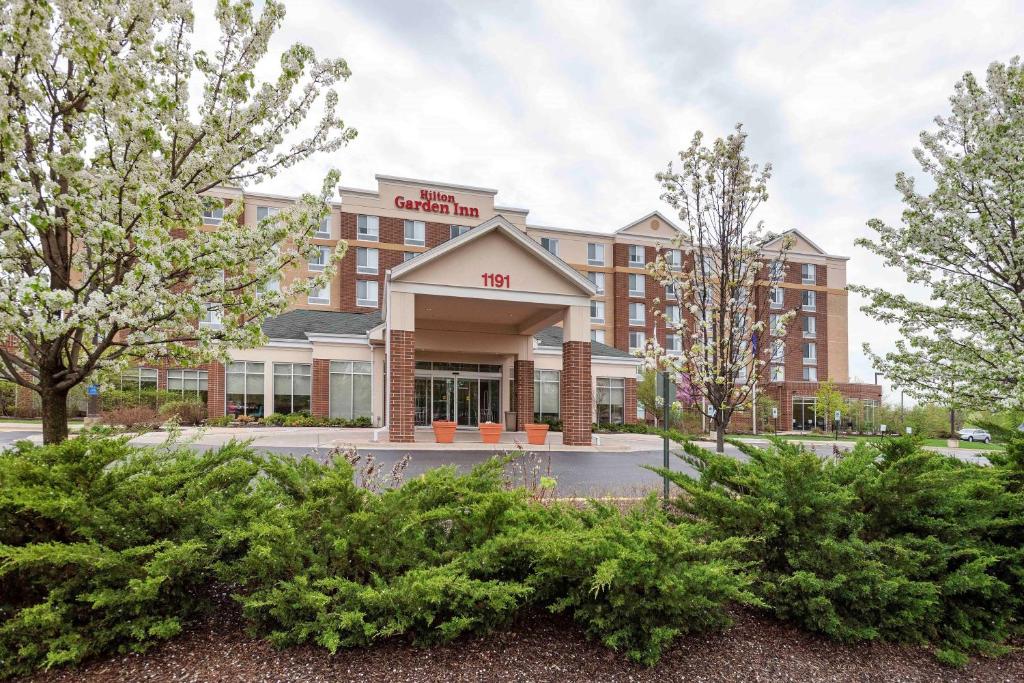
(572,280)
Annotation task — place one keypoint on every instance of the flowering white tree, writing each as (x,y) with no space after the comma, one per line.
(105,164)
(716,191)
(963,241)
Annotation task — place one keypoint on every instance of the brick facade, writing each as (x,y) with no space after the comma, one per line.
(576,397)
(215,405)
(522,402)
(320,399)
(401,373)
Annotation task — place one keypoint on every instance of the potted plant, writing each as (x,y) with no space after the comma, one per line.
(536,434)
(444,431)
(490,432)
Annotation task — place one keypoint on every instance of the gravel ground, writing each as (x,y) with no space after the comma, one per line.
(538,647)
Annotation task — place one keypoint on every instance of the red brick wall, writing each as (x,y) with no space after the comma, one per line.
(522,402)
(629,414)
(576,396)
(401,370)
(215,406)
(321,388)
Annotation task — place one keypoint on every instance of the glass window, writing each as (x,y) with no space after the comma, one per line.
(188,383)
(775,325)
(368,228)
(636,284)
(319,295)
(597,336)
(776,297)
(595,254)
(319,261)
(636,314)
(366,293)
(138,378)
(611,400)
(415,233)
(778,351)
(670,290)
(408,256)
(810,374)
(672,313)
(674,259)
(808,274)
(636,256)
(263,212)
(636,341)
(808,299)
(213,211)
(598,280)
(366,260)
(291,387)
(597,311)
(323,229)
(809,326)
(457,230)
(776,271)
(545,394)
(244,388)
(211,317)
(810,352)
(778,373)
(550,244)
(673,343)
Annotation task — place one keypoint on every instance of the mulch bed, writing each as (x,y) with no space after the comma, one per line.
(538,647)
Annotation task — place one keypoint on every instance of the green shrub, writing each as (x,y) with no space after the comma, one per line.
(220,420)
(8,397)
(189,412)
(113,399)
(135,418)
(893,542)
(274,420)
(105,547)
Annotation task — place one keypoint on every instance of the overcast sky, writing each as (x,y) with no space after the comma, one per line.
(570,108)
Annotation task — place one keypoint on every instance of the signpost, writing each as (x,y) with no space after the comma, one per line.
(837,417)
(775,416)
(666,405)
(92,411)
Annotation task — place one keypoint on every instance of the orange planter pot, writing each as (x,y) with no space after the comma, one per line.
(444,431)
(536,434)
(490,432)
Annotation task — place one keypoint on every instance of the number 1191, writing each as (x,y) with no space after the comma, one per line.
(497,280)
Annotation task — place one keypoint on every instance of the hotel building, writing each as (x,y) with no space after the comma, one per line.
(451,306)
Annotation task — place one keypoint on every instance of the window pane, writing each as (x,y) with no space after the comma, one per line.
(361,390)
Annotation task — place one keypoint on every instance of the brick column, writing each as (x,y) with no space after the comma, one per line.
(24,402)
(629,410)
(320,399)
(523,400)
(214,389)
(577,402)
(401,371)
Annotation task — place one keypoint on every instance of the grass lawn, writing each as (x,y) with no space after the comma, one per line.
(35,420)
(927,442)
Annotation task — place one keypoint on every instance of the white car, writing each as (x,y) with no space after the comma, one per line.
(973,434)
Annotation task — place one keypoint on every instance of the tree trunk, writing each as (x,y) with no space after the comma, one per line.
(720,438)
(55,416)
(952,423)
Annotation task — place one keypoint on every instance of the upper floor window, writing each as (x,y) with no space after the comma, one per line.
(366,260)
(810,352)
(366,293)
(323,230)
(319,295)
(808,274)
(636,256)
(670,290)
(673,343)
(597,311)
(778,373)
(776,271)
(456,230)
(598,280)
(636,341)
(808,300)
(674,259)
(264,212)
(408,255)
(775,325)
(597,336)
(636,284)
(637,314)
(213,211)
(776,297)
(415,233)
(778,351)
(550,244)
(811,374)
(368,228)
(810,328)
(672,313)
(595,254)
(211,317)
(319,261)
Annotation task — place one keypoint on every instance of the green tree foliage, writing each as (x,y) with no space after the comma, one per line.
(896,543)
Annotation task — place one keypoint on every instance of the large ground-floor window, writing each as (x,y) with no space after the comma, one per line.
(805,414)
(244,388)
(351,383)
(190,384)
(291,387)
(138,379)
(545,395)
(611,400)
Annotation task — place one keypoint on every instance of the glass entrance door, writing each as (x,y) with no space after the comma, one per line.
(444,399)
(468,394)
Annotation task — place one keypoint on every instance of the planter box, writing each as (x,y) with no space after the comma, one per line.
(444,431)
(536,434)
(953,443)
(490,432)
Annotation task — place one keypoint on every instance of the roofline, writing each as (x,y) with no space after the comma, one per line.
(555,351)
(511,209)
(652,214)
(574,231)
(496,223)
(431,183)
(358,190)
